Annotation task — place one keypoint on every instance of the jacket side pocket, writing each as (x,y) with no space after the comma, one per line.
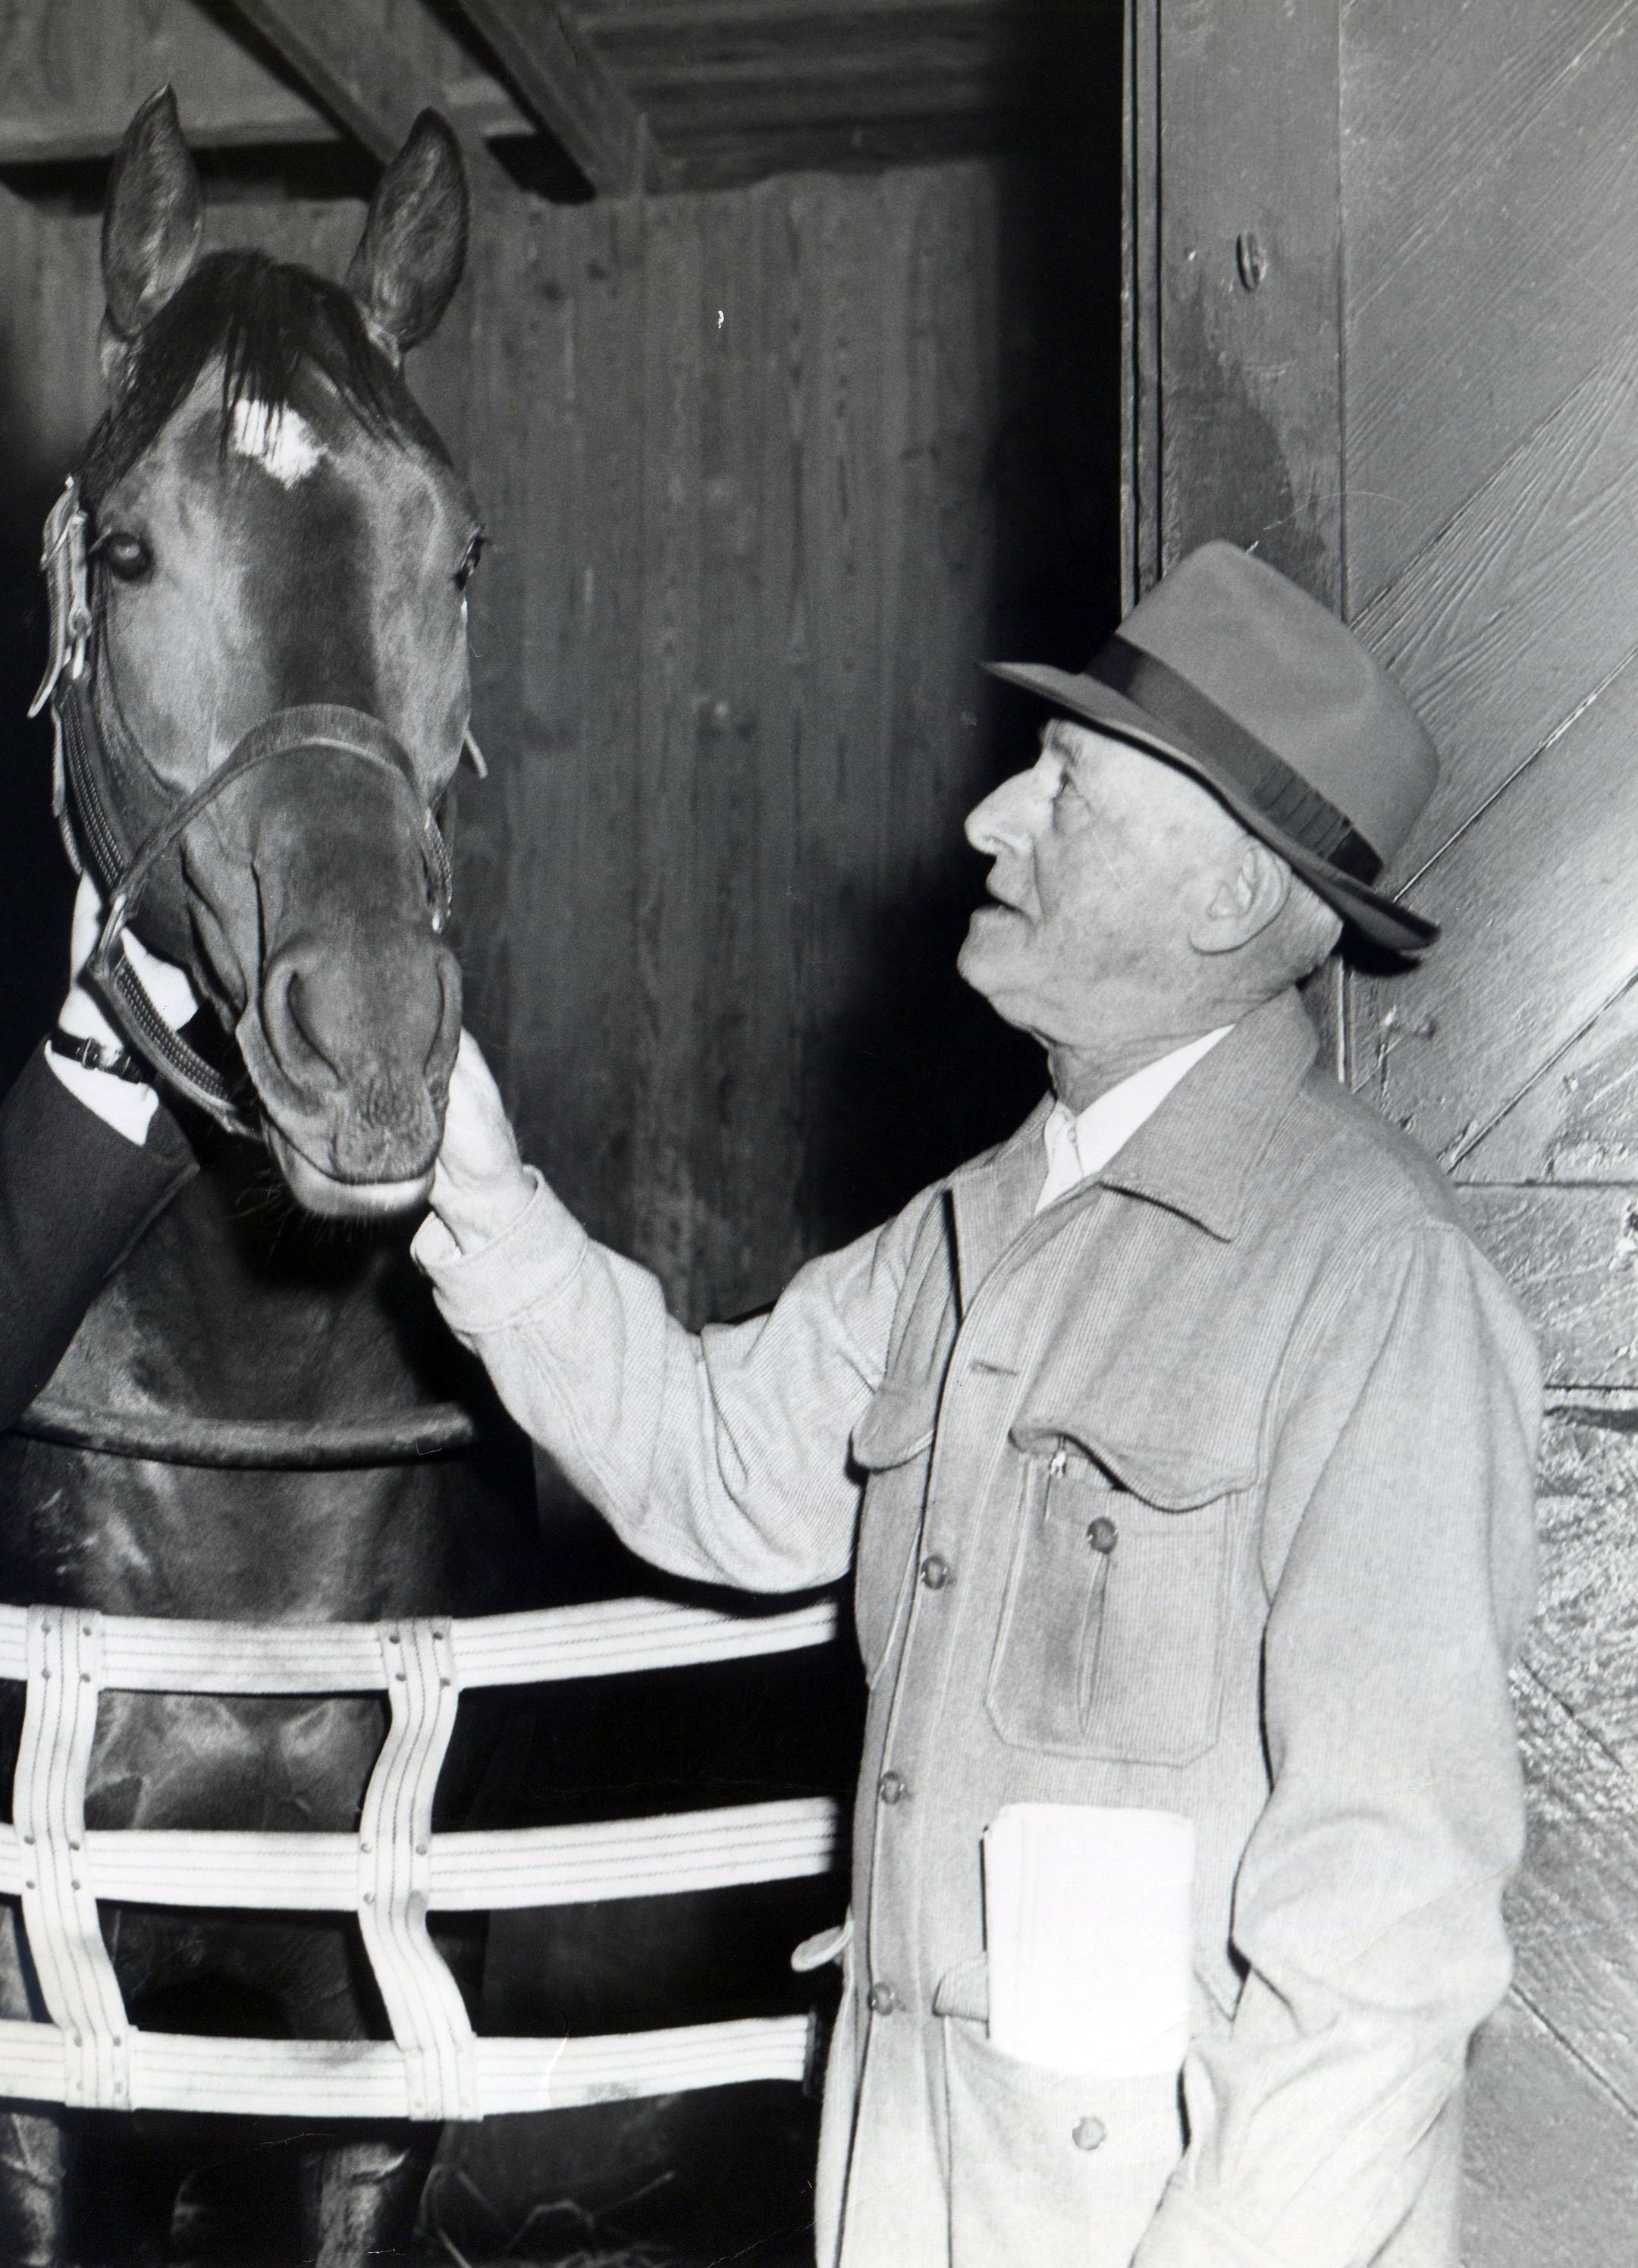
(1048,2169)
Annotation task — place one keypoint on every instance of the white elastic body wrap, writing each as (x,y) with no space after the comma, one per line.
(391,1875)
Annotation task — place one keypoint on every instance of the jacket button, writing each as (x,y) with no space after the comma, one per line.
(893,1787)
(881,1999)
(1088,2134)
(1102,1533)
(935,1572)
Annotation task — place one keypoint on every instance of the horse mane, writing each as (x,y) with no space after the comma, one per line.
(265,318)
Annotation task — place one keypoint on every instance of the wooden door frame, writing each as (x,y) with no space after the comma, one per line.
(1235,108)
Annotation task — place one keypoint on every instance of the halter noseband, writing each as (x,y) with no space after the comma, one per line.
(88,815)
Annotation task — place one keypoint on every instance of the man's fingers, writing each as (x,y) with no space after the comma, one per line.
(479,1184)
(478,1138)
(167,985)
(86,926)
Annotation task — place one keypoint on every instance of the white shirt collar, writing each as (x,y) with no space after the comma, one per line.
(1078,1147)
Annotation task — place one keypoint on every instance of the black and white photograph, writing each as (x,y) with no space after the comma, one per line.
(818,1133)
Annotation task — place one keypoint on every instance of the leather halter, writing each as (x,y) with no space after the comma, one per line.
(88,807)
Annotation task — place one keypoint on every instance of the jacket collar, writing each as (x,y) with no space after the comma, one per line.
(1195,1156)
(1198,1153)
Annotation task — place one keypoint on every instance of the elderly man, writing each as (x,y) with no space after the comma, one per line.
(1196,1440)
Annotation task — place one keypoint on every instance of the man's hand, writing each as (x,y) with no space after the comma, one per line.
(126,1105)
(479,1185)
(168,987)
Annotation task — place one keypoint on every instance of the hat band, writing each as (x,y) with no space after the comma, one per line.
(1282,796)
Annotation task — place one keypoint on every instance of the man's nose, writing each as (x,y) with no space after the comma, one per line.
(1006,818)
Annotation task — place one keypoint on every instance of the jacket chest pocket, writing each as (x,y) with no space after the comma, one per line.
(1110,1635)
(892,1444)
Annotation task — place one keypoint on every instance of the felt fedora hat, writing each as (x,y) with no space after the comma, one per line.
(1229,670)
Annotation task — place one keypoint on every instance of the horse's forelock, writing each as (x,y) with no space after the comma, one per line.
(265,319)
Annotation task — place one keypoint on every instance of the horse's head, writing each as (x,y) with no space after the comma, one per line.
(279,550)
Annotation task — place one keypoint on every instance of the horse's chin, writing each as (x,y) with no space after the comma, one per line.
(319,1192)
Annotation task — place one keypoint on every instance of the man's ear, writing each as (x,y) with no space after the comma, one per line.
(150,226)
(1248,894)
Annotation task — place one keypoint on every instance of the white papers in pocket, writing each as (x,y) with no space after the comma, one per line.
(1088,1928)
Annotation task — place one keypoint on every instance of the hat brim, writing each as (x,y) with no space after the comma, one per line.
(1397,928)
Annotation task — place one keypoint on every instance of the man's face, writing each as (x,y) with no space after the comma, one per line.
(1103,856)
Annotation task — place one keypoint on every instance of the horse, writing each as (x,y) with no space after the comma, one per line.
(272,661)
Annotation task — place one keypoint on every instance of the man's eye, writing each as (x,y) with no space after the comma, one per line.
(128,556)
(468,566)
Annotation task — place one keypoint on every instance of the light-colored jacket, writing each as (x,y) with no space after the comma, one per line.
(1260,1349)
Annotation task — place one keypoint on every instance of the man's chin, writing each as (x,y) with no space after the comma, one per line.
(982,958)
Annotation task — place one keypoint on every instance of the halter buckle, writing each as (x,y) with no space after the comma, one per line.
(62,563)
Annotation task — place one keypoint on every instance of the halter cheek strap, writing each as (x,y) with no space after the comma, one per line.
(88,813)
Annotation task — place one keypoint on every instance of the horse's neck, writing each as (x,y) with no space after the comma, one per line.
(233,1305)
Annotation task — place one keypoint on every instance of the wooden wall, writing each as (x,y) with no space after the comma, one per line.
(749,461)
(767,474)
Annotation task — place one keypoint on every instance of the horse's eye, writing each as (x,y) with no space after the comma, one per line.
(128,556)
(468,566)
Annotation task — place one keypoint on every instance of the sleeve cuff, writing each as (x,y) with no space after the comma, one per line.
(118,1103)
(528,1264)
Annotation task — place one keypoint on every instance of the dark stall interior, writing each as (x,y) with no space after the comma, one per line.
(787,373)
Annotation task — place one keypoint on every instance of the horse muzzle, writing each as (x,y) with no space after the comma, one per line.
(349,1039)
(321,891)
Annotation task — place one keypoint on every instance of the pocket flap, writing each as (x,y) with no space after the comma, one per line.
(825,1944)
(897,1426)
(964,1991)
(1178,1475)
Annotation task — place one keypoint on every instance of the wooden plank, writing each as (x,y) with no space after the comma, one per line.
(738,89)
(563,79)
(1528,599)
(1571,1913)
(364,80)
(1540,939)
(73,71)
(1485,273)
(678,1221)
(1584,1643)
(1576,1123)
(1250,415)
(1572,1256)
(1551,2164)
(1140,309)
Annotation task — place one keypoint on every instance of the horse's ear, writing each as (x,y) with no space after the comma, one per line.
(414,246)
(152,222)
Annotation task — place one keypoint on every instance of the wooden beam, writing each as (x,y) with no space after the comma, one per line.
(558,76)
(366,83)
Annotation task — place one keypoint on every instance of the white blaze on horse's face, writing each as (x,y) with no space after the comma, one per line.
(279,439)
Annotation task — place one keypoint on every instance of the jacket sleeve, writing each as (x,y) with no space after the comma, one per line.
(73,1197)
(1399,1559)
(723,1455)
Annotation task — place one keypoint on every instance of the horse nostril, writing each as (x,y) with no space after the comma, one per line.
(292,1025)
